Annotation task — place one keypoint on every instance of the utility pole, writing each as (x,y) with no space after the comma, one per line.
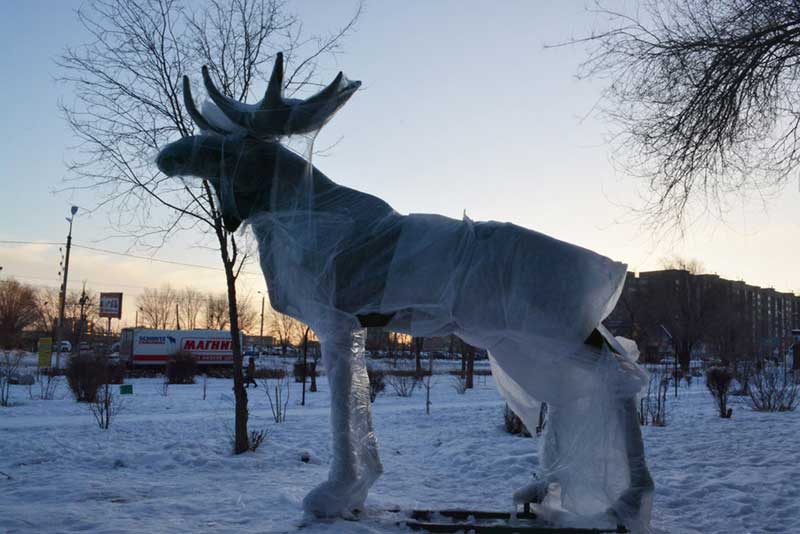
(82,321)
(261,333)
(63,297)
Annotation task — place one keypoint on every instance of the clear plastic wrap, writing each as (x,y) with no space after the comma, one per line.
(339,259)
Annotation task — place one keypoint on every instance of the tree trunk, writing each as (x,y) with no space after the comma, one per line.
(470,368)
(241,439)
(305,365)
(313,388)
(418,341)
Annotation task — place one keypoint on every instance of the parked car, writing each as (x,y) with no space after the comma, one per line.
(66,346)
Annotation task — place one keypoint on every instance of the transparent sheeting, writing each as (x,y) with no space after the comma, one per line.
(355,465)
(336,258)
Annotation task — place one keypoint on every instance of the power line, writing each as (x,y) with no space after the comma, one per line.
(57,282)
(124,254)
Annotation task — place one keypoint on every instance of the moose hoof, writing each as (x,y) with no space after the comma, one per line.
(534,492)
(335,499)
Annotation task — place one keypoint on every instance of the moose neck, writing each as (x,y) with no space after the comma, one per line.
(298,186)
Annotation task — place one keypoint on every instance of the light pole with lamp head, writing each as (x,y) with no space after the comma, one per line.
(63,296)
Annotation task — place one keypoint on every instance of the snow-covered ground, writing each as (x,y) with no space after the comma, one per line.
(165,464)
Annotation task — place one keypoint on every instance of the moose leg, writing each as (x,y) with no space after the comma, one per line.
(355,464)
(538,489)
(633,507)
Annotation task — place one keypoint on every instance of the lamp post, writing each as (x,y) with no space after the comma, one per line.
(63,296)
(261,332)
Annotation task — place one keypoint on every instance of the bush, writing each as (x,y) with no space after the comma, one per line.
(85,374)
(403,382)
(105,406)
(718,382)
(255,439)
(653,403)
(774,389)
(513,424)
(377,382)
(181,368)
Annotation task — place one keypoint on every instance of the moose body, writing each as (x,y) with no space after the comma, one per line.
(341,260)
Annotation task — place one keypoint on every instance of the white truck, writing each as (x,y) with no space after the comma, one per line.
(145,346)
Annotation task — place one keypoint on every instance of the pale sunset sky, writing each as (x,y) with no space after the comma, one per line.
(462,108)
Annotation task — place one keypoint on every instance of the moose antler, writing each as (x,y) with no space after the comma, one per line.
(275,115)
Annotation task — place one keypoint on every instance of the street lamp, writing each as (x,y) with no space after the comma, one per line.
(63,297)
(261,333)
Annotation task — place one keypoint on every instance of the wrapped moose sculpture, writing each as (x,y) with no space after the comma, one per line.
(341,260)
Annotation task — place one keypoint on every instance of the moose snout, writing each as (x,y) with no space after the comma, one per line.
(169,162)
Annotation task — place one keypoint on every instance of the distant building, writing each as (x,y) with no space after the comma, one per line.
(673,311)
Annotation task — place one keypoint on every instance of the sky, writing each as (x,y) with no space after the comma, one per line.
(462,110)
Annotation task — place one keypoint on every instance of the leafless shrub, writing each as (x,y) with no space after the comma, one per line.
(106,406)
(653,404)
(277,390)
(459,384)
(257,437)
(718,382)
(48,384)
(85,374)
(377,382)
(403,382)
(513,424)
(181,368)
(9,363)
(774,389)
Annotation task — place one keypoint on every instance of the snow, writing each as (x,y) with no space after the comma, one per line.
(165,464)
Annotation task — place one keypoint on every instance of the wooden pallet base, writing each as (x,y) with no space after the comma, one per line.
(477,522)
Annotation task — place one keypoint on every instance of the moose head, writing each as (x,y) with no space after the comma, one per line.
(239,152)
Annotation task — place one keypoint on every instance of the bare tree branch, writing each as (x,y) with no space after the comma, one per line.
(705,98)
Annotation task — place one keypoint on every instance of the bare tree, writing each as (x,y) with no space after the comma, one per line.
(216,311)
(248,315)
(679,263)
(157,307)
(18,310)
(127,104)
(190,303)
(285,329)
(47,309)
(10,361)
(705,94)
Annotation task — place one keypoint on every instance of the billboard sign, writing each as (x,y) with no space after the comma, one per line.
(111,305)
